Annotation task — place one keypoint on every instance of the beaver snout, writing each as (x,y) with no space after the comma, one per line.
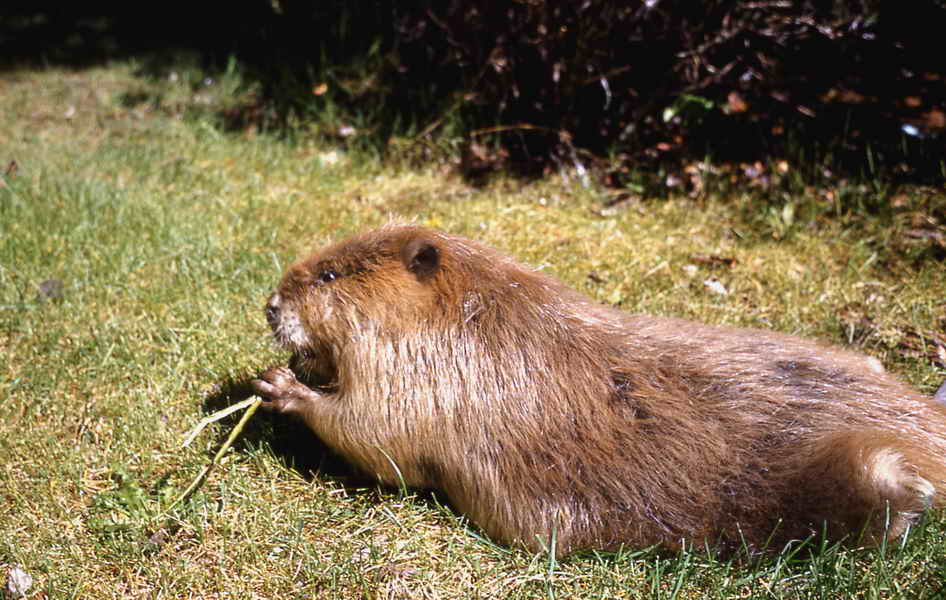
(285,323)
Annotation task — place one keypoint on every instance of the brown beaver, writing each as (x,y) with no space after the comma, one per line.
(548,418)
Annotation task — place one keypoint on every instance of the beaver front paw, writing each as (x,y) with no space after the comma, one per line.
(282,391)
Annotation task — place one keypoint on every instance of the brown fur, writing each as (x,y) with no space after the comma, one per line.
(540,413)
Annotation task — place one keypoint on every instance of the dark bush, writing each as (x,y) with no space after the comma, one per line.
(672,78)
(858,85)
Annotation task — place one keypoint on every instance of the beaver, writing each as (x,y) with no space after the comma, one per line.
(555,423)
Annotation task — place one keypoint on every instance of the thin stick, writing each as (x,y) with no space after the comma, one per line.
(216,417)
(253,404)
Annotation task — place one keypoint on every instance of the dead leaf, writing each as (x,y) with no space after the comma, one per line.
(899,201)
(18,582)
(934,119)
(50,289)
(735,103)
(716,286)
(937,237)
(850,97)
(713,260)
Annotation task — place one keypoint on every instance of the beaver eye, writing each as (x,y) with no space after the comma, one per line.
(328,276)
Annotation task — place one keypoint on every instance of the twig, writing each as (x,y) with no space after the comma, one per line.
(500,128)
(216,417)
(253,404)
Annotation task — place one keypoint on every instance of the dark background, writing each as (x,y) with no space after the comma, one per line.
(859,86)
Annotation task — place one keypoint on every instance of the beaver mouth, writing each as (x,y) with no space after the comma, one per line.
(314,370)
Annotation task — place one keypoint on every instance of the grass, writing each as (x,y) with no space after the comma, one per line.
(167,234)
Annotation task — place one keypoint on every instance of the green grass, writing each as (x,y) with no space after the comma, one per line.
(167,235)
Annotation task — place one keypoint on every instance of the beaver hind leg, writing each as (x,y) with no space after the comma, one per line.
(863,486)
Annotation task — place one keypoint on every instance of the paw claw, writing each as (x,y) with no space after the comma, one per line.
(281,390)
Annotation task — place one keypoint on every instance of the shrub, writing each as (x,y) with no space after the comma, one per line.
(858,85)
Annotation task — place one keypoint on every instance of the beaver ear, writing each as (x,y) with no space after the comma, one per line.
(422,258)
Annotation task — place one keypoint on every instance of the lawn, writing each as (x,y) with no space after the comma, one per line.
(139,240)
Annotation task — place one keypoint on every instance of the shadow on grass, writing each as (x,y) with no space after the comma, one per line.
(302,451)
(290,441)
(814,565)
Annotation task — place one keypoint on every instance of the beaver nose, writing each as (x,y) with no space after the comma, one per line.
(272,314)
